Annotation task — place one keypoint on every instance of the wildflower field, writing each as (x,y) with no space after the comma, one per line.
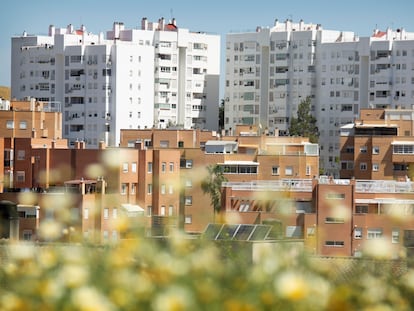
(178,273)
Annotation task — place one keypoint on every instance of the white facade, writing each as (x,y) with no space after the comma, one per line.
(270,71)
(158,75)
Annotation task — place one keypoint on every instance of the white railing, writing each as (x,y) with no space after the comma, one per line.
(383,186)
(299,185)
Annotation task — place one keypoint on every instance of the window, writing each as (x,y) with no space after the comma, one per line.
(134,167)
(375,150)
(23,125)
(125,167)
(106,213)
(289,170)
(375,167)
(170,189)
(162,210)
(335,196)
(275,170)
(133,188)
(163,189)
(188,219)
(334,243)
(21,154)
(395,236)
(188,183)
(363,166)
(149,210)
(358,233)
(164,144)
(114,213)
(361,209)
(20,176)
(9,124)
(163,167)
(334,220)
(149,189)
(374,233)
(124,188)
(171,166)
(363,149)
(170,210)
(308,170)
(180,144)
(86,213)
(149,167)
(188,200)
(310,231)
(27,235)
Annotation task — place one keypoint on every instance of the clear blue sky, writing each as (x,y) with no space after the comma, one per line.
(212,16)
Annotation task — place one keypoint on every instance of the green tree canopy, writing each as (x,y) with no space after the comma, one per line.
(212,185)
(305,123)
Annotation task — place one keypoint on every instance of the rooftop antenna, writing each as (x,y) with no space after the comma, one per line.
(171,13)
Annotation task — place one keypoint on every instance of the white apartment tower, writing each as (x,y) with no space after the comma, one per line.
(270,71)
(158,75)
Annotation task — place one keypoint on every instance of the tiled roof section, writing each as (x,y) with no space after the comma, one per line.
(379,34)
(79,32)
(171,27)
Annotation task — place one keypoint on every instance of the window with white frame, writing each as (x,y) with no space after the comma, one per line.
(21,154)
(9,124)
(114,213)
(149,170)
(23,125)
(133,188)
(363,166)
(125,167)
(86,213)
(308,170)
(163,167)
(134,167)
(171,166)
(170,210)
(334,243)
(188,219)
(188,183)
(149,210)
(149,189)
(163,189)
(363,149)
(357,233)
(375,150)
(375,167)
(395,235)
(188,200)
(106,213)
(288,170)
(162,210)
(170,189)
(374,233)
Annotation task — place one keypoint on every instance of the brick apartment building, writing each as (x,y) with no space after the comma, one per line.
(334,217)
(379,145)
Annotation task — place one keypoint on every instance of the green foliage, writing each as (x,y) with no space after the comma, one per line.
(212,185)
(305,123)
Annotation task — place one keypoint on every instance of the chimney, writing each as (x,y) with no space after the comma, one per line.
(144,23)
(69,29)
(53,144)
(161,23)
(51,31)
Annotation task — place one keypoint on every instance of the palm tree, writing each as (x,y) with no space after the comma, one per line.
(212,185)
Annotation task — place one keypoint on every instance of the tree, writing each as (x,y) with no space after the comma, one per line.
(211,185)
(305,123)
(221,114)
